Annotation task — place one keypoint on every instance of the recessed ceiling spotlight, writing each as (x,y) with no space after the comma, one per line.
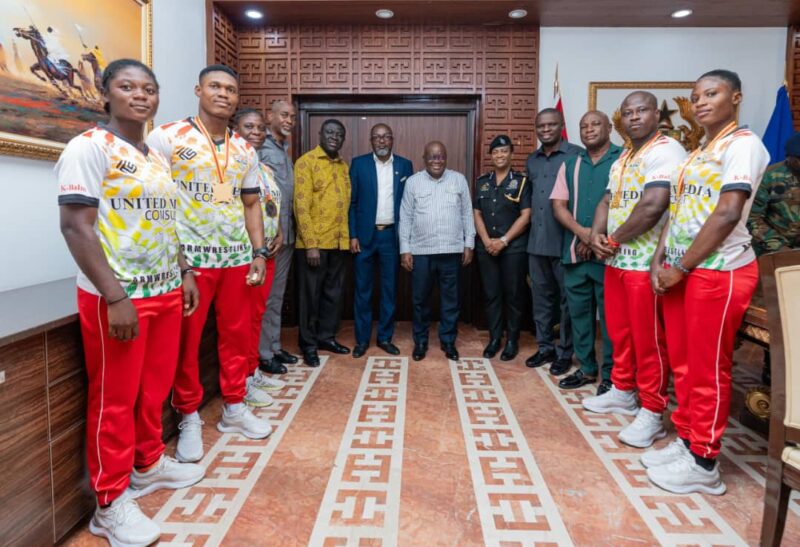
(681,13)
(517,13)
(254,14)
(385,13)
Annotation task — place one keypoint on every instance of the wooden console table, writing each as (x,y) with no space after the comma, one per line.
(44,491)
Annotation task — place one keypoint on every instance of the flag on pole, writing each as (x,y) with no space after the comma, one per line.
(559,103)
(780,126)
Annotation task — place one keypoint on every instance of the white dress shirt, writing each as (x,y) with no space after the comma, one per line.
(385,210)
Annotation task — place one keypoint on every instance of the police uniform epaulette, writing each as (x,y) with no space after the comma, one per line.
(486,175)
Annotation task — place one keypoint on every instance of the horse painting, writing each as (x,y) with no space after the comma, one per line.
(59,72)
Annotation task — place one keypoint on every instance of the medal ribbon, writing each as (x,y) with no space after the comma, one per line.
(727,130)
(627,161)
(220,169)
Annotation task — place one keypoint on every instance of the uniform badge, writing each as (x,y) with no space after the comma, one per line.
(485,187)
(513,184)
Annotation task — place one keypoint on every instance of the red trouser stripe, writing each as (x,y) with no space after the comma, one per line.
(702,315)
(634,325)
(128,383)
(258,303)
(227,288)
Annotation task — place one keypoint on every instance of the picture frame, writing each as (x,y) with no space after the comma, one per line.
(672,100)
(51,58)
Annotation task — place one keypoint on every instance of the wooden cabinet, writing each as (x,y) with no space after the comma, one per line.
(44,487)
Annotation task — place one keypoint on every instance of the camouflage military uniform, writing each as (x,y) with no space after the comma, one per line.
(775,217)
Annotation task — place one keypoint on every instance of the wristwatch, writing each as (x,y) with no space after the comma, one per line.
(681,268)
(262,252)
(504,240)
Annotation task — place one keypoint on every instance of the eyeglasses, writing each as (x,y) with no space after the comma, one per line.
(388,137)
(435,158)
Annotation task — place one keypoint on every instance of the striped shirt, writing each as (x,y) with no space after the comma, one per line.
(436,215)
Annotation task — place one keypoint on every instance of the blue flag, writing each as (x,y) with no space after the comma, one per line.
(779,128)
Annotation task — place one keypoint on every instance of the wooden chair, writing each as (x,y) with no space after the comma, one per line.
(780,275)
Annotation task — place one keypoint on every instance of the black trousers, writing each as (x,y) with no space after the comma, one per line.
(550,305)
(320,295)
(503,279)
(443,270)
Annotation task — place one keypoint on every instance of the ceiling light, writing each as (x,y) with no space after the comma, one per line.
(681,13)
(517,13)
(385,13)
(254,14)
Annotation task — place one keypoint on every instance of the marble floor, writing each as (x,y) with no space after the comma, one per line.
(387,451)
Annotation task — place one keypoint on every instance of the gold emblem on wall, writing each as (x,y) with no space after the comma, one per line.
(688,134)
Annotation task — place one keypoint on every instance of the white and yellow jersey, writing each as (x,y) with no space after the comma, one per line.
(212,233)
(136,202)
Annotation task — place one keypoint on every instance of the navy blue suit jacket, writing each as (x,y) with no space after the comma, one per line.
(364,194)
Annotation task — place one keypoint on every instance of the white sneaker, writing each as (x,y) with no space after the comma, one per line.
(123,524)
(613,401)
(262,380)
(168,473)
(646,428)
(684,476)
(190,439)
(668,454)
(257,397)
(238,418)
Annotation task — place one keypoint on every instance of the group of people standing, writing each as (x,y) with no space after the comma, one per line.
(211,210)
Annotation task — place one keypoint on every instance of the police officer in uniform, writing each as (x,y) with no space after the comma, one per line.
(502,210)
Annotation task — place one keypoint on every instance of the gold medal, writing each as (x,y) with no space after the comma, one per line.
(222,193)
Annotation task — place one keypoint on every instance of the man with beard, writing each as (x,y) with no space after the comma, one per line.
(377,182)
(625,232)
(321,200)
(275,154)
(580,186)
(544,246)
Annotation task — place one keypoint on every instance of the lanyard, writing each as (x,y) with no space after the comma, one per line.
(727,130)
(221,169)
(627,161)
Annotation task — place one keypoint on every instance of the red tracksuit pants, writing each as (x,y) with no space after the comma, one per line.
(227,288)
(634,325)
(702,315)
(128,384)
(258,303)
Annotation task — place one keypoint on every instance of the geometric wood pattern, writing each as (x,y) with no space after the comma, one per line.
(793,71)
(499,64)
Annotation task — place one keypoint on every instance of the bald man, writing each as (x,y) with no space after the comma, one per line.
(377,181)
(580,185)
(437,235)
(275,153)
(625,232)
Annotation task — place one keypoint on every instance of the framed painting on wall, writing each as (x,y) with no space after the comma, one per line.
(52,54)
(675,116)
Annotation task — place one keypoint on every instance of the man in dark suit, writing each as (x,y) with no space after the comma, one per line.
(377,182)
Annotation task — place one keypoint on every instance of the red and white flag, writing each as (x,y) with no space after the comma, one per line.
(559,103)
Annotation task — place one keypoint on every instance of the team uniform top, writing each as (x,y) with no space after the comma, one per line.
(270,196)
(212,234)
(737,161)
(136,202)
(651,166)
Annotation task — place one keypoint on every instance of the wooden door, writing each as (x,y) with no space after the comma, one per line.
(414,123)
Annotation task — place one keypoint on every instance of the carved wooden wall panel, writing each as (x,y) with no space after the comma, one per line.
(793,71)
(497,64)
(224,39)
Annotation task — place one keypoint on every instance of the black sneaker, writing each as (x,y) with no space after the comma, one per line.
(561,366)
(539,359)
